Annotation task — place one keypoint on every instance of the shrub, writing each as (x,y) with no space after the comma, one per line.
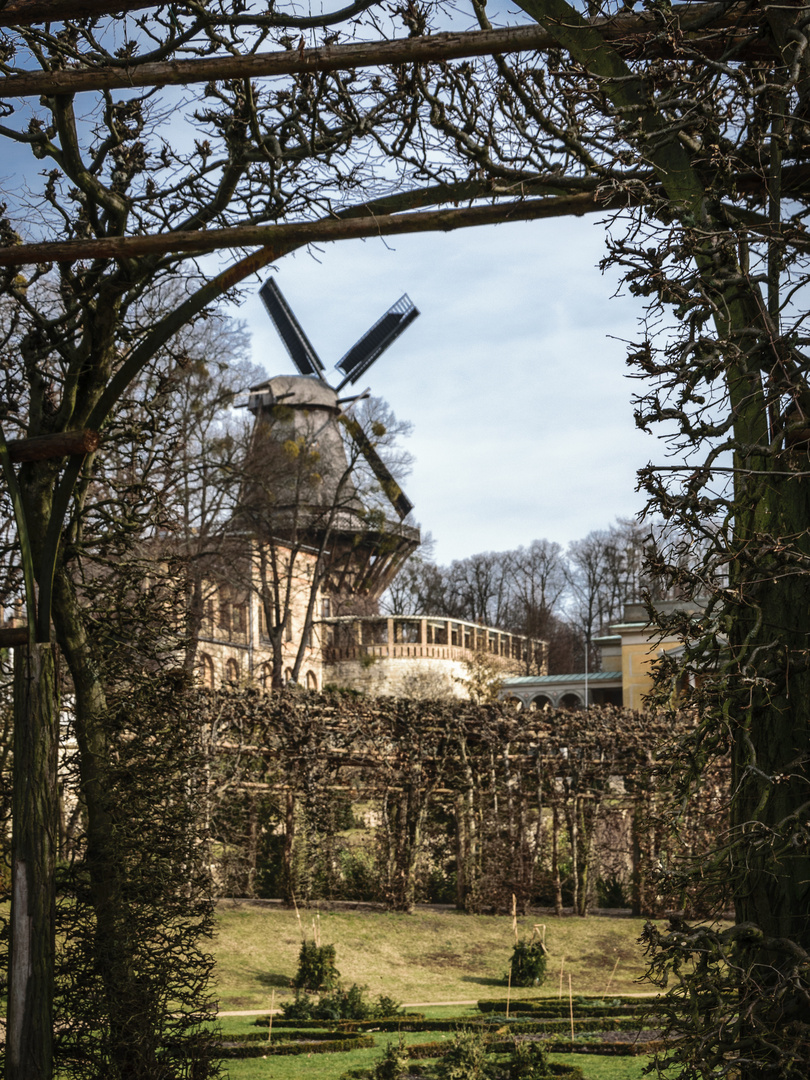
(527,1061)
(340,1005)
(611,892)
(528,963)
(316,967)
(393,1063)
(465,1059)
(360,878)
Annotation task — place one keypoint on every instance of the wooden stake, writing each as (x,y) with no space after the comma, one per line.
(571,1005)
(562,965)
(270,1018)
(610,980)
(298,916)
(514,917)
(508,991)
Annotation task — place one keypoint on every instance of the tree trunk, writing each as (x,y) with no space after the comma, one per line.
(770,758)
(29,1053)
(555,860)
(461,853)
(288,863)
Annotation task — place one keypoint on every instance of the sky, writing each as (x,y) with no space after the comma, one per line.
(513,376)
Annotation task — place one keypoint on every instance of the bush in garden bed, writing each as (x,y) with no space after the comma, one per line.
(341,1004)
(470,1057)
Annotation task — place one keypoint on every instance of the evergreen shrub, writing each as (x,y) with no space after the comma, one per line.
(316,967)
(528,963)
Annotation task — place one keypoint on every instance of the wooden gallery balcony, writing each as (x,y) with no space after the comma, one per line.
(424,637)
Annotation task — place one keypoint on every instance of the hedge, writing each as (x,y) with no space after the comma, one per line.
(253,1048)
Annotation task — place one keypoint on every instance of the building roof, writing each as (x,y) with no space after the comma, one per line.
(550,680)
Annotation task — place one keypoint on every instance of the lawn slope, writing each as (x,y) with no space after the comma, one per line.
(430,956)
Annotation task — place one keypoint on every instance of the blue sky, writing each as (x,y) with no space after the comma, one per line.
(513,376)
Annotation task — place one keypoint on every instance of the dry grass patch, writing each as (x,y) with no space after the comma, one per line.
(427,956)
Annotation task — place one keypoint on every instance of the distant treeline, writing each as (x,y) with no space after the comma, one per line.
(566,597)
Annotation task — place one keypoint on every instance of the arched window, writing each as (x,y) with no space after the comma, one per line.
(288,676)
(571,702)
(207,670)
(542,701)
(232,671)
(266,678)
(312,681)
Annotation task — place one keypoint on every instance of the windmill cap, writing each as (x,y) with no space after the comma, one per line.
(294,390)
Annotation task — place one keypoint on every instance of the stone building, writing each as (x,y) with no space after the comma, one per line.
(408,656)
(629,651)
(305,528)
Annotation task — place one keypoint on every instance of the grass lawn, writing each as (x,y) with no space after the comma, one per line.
(332,1066)
(429,956)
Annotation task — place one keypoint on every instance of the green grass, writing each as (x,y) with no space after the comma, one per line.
(429,956)
(332,1066)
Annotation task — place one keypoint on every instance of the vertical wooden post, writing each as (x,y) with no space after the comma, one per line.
(29,1048)
(571,1005)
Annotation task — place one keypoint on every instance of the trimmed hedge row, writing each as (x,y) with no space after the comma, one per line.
(530,1025)
(391,1023)
(547,1007)
(254,1048)
(608,1049)
(503,1046)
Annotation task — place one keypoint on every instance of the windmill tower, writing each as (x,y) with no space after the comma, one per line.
(303,419)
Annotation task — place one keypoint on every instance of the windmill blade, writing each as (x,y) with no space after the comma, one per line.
(375,341)
(296,341)
(399,500)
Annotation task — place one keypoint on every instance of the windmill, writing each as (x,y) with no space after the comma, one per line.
(352,365)
(308,408)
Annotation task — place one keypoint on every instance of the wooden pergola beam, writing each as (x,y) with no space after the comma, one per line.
(735,25)
(13,636)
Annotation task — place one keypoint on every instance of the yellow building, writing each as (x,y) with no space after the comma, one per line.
(633,646)
(625,678)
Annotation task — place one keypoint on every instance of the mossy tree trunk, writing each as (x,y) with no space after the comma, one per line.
(35,827)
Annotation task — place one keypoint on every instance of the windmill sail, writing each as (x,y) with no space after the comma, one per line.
(399,500)
(376,340)
(296,341)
